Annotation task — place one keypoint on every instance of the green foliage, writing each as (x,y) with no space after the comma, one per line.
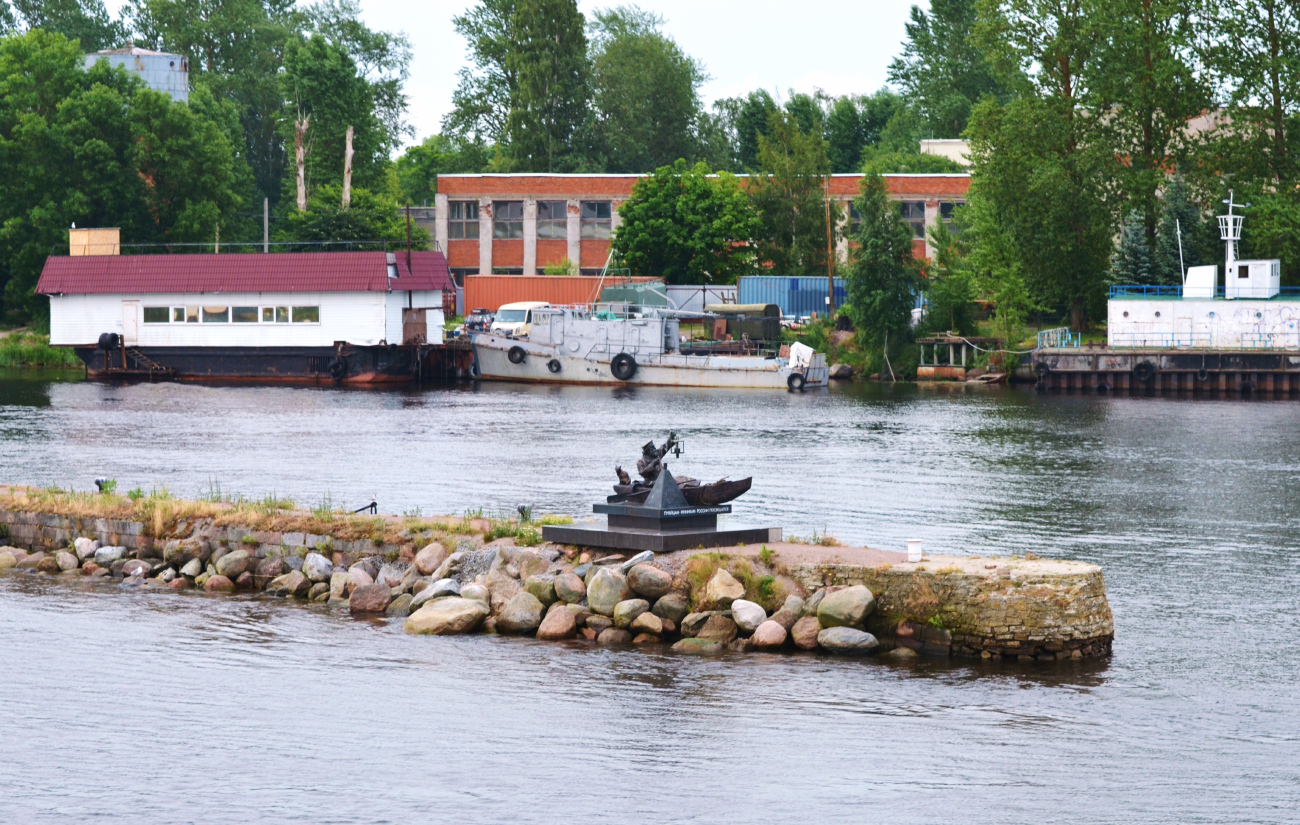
(370,217)
(564,267)
(882,275)
(876,161)
(949,287)
(528,537)
(86,21)
(994,264)
(250,541)
(765,555)
(1199,237)
(1272,230)
(551,518)
(942,70)
(29,349)
(548,107)
(1132,261)
(94,148)
(322,84)
(789,197)
(135,494)
(645,92)
(108,487)
(686,226)
(418,168)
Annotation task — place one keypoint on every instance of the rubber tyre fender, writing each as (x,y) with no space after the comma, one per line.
(109,340)
(338,369)
(554,365)
(516,355)
(795,382)
(1144,371)
(623,366)
(1202,375)
(474,370)
(1102,386)
(1041,369)
(1247,388)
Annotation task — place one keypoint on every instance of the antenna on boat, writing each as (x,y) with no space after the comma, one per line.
(1182,267)
(1230,233)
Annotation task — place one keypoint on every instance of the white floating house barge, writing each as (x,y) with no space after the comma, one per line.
(355,317)
(1241,336)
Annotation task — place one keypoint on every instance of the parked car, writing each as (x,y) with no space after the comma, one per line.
(480,320)
(516,319)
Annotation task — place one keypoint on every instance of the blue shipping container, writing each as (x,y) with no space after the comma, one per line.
(797,297)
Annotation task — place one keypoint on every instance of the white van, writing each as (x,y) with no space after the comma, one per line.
(516,319)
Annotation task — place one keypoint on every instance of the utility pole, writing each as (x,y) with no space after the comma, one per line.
(347,171)
(408,237)
(266,225)
(299,133)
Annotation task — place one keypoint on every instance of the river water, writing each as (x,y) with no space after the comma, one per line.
(127,706)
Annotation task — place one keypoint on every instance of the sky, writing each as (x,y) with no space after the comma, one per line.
(840,47)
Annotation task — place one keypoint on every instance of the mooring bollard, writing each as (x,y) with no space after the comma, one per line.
(913,550)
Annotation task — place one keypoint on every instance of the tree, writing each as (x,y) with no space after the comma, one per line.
(877,161)
(1145,95)
(85,20)
(942,70)
(1181,215)
(750,119)
(371,217)
(882,274)
(645,92)
(549,106)
(417,170)
(1132,261)
(994,264)
(482,99)
(321,82)
(687,226)
(789,196)
(949,286)
(844,135)
(95,148)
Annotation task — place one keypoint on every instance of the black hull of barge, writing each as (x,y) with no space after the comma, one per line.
(324,365)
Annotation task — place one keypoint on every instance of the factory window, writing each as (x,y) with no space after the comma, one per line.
(590,273)
(552,220)
(462,220)
(306,315)
(914,213)
(596,220)
(244,315)
(191,315)
(855,220)
(948,211)
(216,315)
(507,220)
(156,315)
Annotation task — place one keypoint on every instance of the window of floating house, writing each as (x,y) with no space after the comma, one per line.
(243,315)
(914,213)
(306,315)
(507,220)
(552,220)
(191,315)
(282,315)
(216,315)
(268,315)
(462,220)
(178,315)
(157,315)
(595,220)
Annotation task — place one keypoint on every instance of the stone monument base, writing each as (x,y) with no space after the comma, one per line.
(660,541)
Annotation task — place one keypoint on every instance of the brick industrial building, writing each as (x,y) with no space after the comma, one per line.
(519,224)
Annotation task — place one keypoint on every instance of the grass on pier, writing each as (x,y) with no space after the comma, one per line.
(162,515)
(24,348)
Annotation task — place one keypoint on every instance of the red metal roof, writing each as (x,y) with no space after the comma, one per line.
(242,272)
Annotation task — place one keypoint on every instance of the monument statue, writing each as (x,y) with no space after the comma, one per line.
(651,464)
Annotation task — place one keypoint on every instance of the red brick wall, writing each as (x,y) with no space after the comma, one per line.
(594,254)
(507,253)
(462,253)
(551,252)
(591,187)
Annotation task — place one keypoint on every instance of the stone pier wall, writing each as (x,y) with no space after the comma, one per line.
(1044,609)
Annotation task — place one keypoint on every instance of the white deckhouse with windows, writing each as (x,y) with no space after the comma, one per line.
(346,316)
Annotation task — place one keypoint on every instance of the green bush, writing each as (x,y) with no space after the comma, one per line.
(28,349)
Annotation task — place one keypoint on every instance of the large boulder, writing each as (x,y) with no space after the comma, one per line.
(400,606)
(699,647)
(847,641)
(373,598)
(840,372)
(179,552)
(722,590)
(430,558)
(647,622)
(692,622)
(338,584)
(627,610)
(391,575)
(768,636)
(530,564)
(476,591)
(134,567)
(7,559)
(542,587)
(360,576)
(606,589)
(266,570)
(219,584)
(523,613)
(597,622)
(718,628)
(814,601)
(233,565)
(614,636)
(644,555)
(747,615)
(649,581)
(194,567)
(68,561)
(672,606)
(85,548)
(569,588)
(315,567)
(295,583)
(805,631)
(105,556)
(502,587)
(448,616)
(846,608)
(560,623)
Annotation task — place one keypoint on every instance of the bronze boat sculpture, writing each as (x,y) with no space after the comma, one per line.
(650,464)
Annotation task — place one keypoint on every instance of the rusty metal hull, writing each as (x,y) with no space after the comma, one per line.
(927,372)
(361,365)
(1159,371)
(663,370)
